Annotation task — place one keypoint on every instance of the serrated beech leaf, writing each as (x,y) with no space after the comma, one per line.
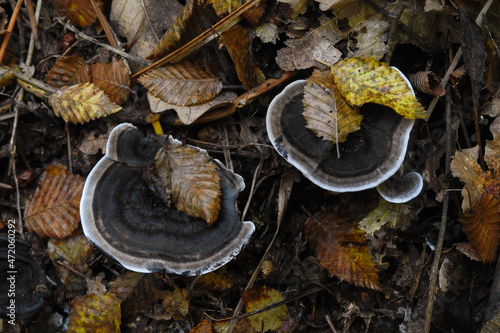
(95,313)
(81,103)
(68,71)
(482,226)
(363,81)
(326,112)
(80,13)
(182,84)
(53,211)
(256,299)
(393,214)
(113,79)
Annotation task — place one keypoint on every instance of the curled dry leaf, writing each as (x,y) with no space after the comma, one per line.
(482,226)
(340,248)
(363,81)
(427,82)
(81,103)
(80,12)
(182,84)
(53,211)
(71,252)
(191,177)
(326,112)
(238,44)
(95,313)
(68,71)
(256,299)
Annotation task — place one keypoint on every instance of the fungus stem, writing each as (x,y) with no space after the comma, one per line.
(157,127)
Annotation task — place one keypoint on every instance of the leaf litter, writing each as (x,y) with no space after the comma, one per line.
(352,245)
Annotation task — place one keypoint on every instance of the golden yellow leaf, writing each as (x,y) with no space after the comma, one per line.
(81,103)
(363,81)
(256,299)
(53,211)
(326,112)
(214,281)
(393,214)
(482,226)
(113,79)
(7,77)
(80,12)
(190,178)
(185,27)
(182,83)
(225,6)
(95,313)
(71,252)
(204,326)
(68,71)
(238,44)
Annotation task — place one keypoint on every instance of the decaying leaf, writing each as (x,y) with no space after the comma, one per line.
(182,83)
(204,326)
(363,81)
(326,112)
(95,313)
(68,71)
(81,103)
(482,226)
(214,281)
(72,252)
(7,77)
(222,7)
(185,27)
(113,79)
(53,211)
(395,215)
(123,285)
(192,180)
(299,6)
(256,299)
(171,304)
(238,44)
(340,248)
(80,12)
(92,143)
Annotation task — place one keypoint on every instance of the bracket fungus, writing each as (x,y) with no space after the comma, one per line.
(368,157)
(125,219)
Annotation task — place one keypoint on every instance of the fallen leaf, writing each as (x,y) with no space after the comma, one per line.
(7,77)
(182,83)
(81,103)
(113,79)
(204,326)
(80,12)
(238,44)
(482,226)
(363,81)
(340,248)
(299,6)
(256,299)
(395,215)
(267,32)
(123,285)
(68,71)
(326,112)
(92,143)
(492,148)
(222,7)
(214,281)
(171,305)
(53,211)
(95,313)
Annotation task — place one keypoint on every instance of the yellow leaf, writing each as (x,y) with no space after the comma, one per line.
(95,313)
(182,83)
(53,211)
(256,299)
(326,112)
(238,44)
(393,214)
(81,103)
(225,6)
(363,81)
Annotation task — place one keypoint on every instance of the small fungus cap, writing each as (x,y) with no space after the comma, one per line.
(127,221)
(368,157)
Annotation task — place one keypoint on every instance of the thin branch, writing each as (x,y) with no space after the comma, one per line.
(9,30)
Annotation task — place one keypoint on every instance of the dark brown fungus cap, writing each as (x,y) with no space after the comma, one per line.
(22,277)
(128,222)
(368,157)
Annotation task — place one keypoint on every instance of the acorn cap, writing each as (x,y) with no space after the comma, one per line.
(127,221)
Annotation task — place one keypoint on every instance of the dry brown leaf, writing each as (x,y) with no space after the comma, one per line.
(80,12)
(214,281)
(185,27)
(238,44)
(482,226)
(92,143)
(363,81)
(340,248)
(326,112)
(189,175)
(53,211)
(395,215)
(256,299)
(182,83)
(123,285)
(81,103)
(113,79)
(171,305)
(204,326)
(68,71)
(72,252)
(95,313)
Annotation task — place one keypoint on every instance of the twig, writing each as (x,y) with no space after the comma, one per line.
(33,24)
(79,34)
(252,188)
(105,25)
(13,163)
(9,30)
